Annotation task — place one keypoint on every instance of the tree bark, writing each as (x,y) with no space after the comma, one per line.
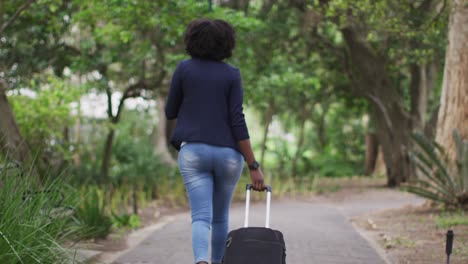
(321,127)
(107,155)
(394,142)
(453,112)
(431,126)
(10,136)
(380,168)
(77,137)
(423,81)
(369,79)
(159,136)
(268,120)
(300,143)
(418,91)
(372,147)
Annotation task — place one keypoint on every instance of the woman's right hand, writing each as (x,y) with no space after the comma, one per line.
(257,180)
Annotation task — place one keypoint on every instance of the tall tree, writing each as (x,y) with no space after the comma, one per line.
(11,139)
(372,50)
(27,47)
(453,113)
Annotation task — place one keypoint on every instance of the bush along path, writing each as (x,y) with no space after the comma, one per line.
(318,231)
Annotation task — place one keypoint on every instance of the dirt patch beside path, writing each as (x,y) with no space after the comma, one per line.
(411,235)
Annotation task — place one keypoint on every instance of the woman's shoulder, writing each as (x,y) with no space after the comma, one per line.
(233,70)
(201,64)
(232,67)
(183,62)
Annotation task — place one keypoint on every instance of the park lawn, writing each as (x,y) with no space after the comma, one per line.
(417,234)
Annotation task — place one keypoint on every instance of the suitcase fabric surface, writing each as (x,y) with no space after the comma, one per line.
(255,245)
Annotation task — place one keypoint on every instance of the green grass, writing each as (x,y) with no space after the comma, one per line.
(92,215)
(31,231)
(447,220)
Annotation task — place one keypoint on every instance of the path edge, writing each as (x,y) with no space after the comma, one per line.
(373,243)
(134,239)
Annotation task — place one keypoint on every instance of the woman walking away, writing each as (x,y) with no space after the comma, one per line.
(211,135)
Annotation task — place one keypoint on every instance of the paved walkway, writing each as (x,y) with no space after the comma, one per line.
(314,232)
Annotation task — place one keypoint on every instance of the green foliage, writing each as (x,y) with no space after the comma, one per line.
(31,230)
(134,158)
(126,220)
(33,42)
(92,214)
(440,183)
(137,175)
(47,115)
(132,33)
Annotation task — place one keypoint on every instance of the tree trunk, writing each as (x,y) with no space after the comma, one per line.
(300,143)
(134,200)
(268,120)
(159,137)
(321,127)
(77,133)
(431,126)
(423,81)
(453,112)
(369,78)
(380,168)
(107,155)
(419,95)
(10,136)
(372,147)
(77,140)
(394,142)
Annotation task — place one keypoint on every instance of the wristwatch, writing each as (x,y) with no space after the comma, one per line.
(254,166)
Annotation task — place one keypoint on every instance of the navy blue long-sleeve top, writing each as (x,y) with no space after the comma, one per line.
(206,98)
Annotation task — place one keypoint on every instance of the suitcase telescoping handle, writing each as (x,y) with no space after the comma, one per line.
(249,187)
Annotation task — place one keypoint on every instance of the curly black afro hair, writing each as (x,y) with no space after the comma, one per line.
(210,39)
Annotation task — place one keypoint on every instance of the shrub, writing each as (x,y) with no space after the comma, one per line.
(126,220)
(92,215)
(439,183)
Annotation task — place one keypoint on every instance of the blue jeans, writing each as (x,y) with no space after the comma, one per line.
(210,176)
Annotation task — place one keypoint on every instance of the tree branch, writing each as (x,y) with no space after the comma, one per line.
(382,109)
(109,101)
(160,62)
(327,43)
(436,17)
(131,91)
(15,16)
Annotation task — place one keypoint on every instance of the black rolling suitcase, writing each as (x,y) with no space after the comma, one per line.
(255,245)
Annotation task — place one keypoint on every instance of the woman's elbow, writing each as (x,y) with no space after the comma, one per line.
(170,115)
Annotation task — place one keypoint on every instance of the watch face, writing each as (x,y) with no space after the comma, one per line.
(255,165)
